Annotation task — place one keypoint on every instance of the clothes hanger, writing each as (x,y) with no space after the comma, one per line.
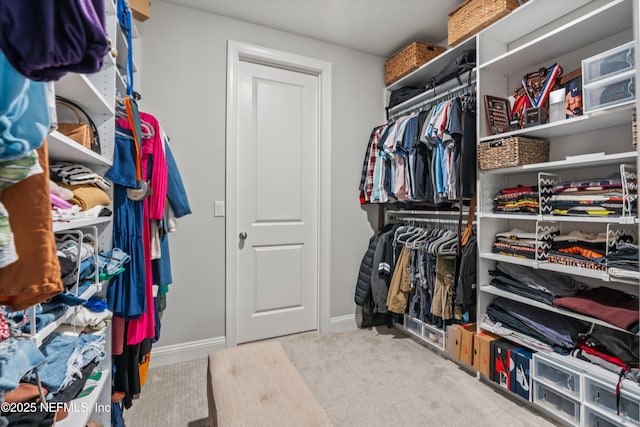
(411,230)
(126,135)
(435,245)
(401,229)
(412,241)
(147,130)
(419,243)
(450,246)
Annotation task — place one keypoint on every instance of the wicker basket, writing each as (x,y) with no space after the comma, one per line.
(513,151)
(474,15)
(408,59)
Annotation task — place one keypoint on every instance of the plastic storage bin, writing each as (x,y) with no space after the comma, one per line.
(561,378)
(413,325)
(603,396)
(554,402)
(433,335)
(612,62)
(610,92)
(593,418)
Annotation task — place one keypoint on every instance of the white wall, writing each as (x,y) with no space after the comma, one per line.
(183,58)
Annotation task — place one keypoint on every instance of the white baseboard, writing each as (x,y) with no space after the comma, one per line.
(343,323)
(176,353)
(184,352)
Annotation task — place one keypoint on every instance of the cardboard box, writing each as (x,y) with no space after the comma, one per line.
(482,352)
(503,363)
(521,380)
(140,9)
(450,339)
(464,343)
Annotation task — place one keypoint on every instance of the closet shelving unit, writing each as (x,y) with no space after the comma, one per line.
(430,334)
(540,33)
(97,94)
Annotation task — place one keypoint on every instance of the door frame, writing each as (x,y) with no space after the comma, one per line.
(237,51)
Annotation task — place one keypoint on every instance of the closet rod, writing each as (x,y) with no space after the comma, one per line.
(457,91)
(465,212)
(424,220)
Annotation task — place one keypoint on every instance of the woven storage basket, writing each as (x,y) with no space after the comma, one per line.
(513,151)
(408,59)
(474,15)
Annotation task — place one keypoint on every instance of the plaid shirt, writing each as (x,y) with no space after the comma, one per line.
(368,166)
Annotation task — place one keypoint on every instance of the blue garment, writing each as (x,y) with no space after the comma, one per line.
(83,287)
(117,419)
(96,305)
(87,268)
(45,314)
(110,262)
(124,19)
(126,291)
(158,319)
(24,116)
(408,147)
(66,356)
(64,298)
(17,358)
(437,161)
(176,193)
(161,268)
(123,169)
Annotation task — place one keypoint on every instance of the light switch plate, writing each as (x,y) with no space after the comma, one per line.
(218,208)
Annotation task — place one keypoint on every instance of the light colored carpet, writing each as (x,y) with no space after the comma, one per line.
(378,377)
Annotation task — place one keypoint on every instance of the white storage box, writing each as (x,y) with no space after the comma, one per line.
(603,396)
(610,92)
(413,325)
(612,62)
(433,335)
(560,378)
(554,402)
(593,418)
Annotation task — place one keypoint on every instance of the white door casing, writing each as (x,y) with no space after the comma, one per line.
(278,183)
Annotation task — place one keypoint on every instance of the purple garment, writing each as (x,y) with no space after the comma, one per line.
(45,39)
(611,305)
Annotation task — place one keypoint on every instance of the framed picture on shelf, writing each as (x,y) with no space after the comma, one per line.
(572,84)
(497,114)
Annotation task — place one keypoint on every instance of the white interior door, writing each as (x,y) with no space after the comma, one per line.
(277,202)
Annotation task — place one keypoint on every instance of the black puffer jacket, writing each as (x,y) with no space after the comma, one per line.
(363,285)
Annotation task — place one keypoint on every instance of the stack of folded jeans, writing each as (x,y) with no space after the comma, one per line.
(66,356)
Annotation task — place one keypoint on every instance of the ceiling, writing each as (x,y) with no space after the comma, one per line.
(379,27)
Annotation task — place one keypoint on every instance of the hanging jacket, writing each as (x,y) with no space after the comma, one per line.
(400,284)
(382,271)
(465,290)
(363,284)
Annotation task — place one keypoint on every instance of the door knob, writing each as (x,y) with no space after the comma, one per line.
(242,235)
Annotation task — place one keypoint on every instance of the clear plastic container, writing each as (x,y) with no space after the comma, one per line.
(610,63)
(611,92)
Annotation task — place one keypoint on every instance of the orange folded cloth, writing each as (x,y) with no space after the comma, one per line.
(87,196)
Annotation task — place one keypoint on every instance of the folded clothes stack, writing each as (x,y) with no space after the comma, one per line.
(516,242)
(584,250)
(517,199)
(596,197)
(75,188)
